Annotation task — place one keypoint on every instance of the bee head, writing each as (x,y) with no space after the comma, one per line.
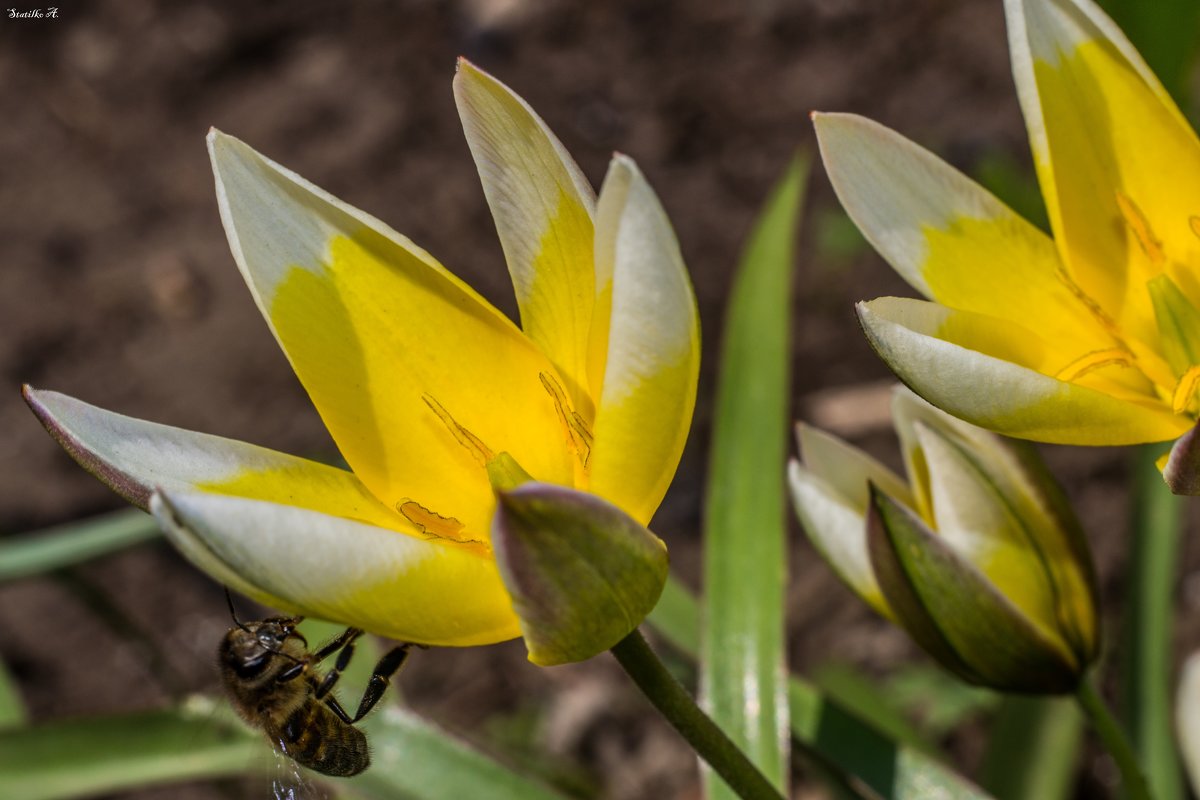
(251,646)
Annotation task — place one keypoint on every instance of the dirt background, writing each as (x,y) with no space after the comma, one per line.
(116,284)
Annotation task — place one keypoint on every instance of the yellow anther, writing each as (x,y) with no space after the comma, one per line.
(433,525)
(578,434)
(1090,362)
(1185,390)
(1140,226)
(480,451)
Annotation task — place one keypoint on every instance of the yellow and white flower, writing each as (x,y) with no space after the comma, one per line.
(977,555)
(422,382)
(1091,336)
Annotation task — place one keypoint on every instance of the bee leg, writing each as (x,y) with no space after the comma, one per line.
(345,638)
(336,708)
(380,678)
(346,643)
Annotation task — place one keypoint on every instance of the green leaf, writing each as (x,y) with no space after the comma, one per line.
(64,545)
(1145,670)
(865,697)
(937,700)
(12,709)
(1034,749)
(101,755)
(745,559)
(413,758)
(581,572)
(841,739)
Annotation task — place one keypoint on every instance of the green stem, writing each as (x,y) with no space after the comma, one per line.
(1145,700)
(1114,739)
(674,703)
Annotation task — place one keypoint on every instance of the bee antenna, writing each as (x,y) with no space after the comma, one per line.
(232,613)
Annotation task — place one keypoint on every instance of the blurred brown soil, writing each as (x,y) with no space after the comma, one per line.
(117,285)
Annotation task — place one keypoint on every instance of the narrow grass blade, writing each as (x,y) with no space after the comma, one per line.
(101,755)
(1034,749)
(1146,635)
(824,729)
(742,667)
(63,545)
(413,758)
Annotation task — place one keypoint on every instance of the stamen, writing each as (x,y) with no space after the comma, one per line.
(1185,390)
(579,435)
(1090,362)
(432,524)
(1140,226)
(481,452)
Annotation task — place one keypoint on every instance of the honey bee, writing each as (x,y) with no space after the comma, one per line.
(271,679)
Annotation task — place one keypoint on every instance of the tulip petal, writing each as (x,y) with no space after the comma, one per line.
(984,371)
(951,239)
(953,611)
(1105,133)
(846,469)
(652,353)
(836,527)
(543,209)
(978,523)
(135,457)
(417,378)
(305,562)
(1048,527)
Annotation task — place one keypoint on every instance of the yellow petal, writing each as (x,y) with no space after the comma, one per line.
(652,358)
(543,208)
(1118,164)
(984,371)
(416,376)
(360,575)
(956,243)
(135,457)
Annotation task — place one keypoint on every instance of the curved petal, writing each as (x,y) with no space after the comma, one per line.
(1104,134)
(979,524)
(414,374)
(135,457)
(952,240)
(847,469)
(305,562)
(1019,476)
(838,529)
(927,347)
(652,346)
(543,210)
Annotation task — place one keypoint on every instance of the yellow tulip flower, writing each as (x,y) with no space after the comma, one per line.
(422,383)
(1091,336)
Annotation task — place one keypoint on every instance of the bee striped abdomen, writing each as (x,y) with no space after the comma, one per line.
(315,737)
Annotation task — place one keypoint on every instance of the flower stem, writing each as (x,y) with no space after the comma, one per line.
(674,703)
(1145,671)
(1114,739)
